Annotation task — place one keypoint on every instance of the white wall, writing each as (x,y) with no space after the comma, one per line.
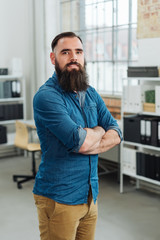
(52,22)
(23,36)
(149,52)
(16,38)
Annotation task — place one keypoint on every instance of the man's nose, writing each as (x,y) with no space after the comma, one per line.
(73,57)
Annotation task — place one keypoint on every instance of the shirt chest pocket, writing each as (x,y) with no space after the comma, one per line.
(91,115)
(77,117)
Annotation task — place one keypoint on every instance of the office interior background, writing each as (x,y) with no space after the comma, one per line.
(110,31)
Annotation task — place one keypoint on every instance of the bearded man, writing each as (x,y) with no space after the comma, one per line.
(74,126)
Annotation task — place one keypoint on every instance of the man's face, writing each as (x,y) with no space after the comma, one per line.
(68,51)
(68,58)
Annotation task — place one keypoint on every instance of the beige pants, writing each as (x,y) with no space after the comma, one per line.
(66,222)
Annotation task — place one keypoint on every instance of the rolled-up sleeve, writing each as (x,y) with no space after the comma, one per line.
(51,111)
(82,135)
(117,129)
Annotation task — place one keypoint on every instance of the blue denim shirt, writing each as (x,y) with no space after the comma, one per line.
(65,175)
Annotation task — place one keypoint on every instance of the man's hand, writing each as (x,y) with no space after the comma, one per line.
(92,140)
(108,140)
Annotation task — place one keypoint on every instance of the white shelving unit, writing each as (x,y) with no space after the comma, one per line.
(13,100)
(133,146)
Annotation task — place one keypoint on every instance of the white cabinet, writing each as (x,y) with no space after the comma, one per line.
(157,99)
(12,105)
(133,100)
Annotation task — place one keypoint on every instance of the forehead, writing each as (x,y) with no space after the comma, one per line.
(69,43)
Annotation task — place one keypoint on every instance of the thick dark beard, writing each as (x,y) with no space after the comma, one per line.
(74,80)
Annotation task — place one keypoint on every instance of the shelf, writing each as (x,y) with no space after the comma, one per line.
(144,78)
(150,113)
(143,178)
(10,140)
(141,145)
(8,148)
(11,99)
(8,144)
(6,122)
(129,149)
(10,77)
(142,113)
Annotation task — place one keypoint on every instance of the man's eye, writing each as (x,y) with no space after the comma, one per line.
(65,53)
(79,52)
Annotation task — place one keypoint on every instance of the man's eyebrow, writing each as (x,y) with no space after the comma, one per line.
(79,49)
(67,49)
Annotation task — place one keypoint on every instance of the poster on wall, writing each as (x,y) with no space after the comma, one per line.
(148,19)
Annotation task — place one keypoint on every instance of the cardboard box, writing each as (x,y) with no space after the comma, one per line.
(149,107)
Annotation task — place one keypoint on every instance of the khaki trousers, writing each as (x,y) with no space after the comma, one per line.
(66,222)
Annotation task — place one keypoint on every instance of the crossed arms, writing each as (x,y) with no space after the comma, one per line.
(53,114)
(98,141)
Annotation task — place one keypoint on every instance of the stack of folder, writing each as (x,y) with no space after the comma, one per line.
(11,111)
(148,165)
(150,131)
(142,129)
(143,71)
(10,89)
(131,126)
(3,134)
(134,104)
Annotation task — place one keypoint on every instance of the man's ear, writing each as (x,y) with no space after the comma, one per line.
(52,57)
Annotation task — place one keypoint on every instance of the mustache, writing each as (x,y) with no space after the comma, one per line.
(76,63)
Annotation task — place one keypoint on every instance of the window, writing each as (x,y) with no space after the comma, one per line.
(108,30)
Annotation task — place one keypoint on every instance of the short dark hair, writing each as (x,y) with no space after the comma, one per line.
(63,35)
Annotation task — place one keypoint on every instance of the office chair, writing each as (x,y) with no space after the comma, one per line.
(22,141)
